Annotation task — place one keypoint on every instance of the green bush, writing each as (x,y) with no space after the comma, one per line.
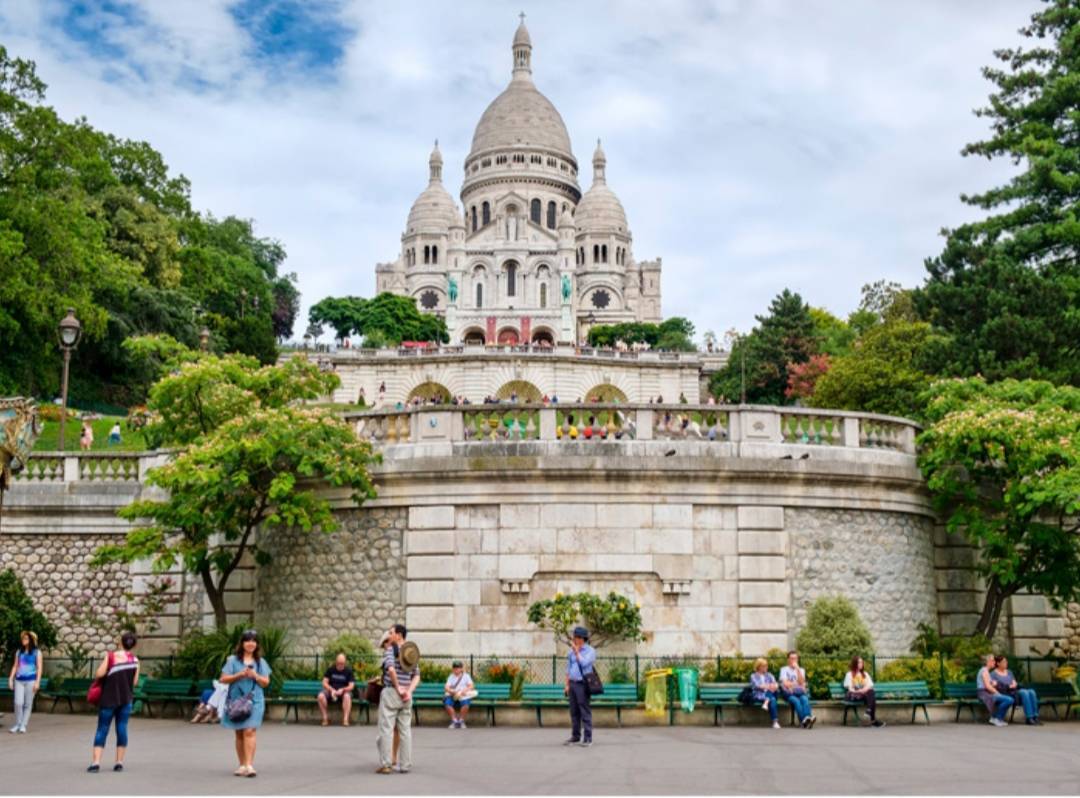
(17,612)
(819,670)
(620,672)
(436,672)
(833,628)
(357,649)
(928,669)
(202,655)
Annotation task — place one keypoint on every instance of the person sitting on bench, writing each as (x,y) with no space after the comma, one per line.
(338,683)
(766,690)
(858,686)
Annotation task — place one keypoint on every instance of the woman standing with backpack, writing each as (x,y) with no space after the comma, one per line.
(118,674)
(247,675)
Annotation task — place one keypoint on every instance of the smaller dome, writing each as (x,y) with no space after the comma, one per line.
(434,210)
(600,210)
(521,37)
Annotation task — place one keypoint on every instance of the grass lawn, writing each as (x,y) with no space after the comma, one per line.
(130,441)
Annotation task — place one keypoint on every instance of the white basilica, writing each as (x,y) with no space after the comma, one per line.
(530,259)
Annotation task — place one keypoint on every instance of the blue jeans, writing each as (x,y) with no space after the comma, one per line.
(104,720)
(772,701)
(1029,701)
(801,702)
(1001,705)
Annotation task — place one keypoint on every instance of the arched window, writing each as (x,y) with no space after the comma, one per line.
(551,216)
(434,254)
(543,295)
(486,214)
(427,254)
(511,279)
(596,253)
(474,218)
(479,295)
(534,211)
(603,253)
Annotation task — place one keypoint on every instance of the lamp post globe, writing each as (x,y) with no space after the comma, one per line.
(204,338)
(69,332)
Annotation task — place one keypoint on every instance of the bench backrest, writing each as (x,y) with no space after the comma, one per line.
(720,691)
(619,691)
(292,688)
(73,685)
(168,687)
(887,690)
(493,692)
(960,690)
(1052,689)
(543,692)
(428,690)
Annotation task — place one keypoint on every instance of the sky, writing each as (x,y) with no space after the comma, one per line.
(756,146)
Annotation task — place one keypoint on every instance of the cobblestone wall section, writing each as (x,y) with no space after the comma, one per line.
(883,562)
(320,585)
(55,570)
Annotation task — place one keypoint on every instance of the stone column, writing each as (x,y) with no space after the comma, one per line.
(763,587)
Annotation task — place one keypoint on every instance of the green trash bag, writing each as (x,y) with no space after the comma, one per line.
(656,693)
(687,679)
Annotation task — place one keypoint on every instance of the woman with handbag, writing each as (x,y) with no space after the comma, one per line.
(113,691)
(247,675)
(582,682)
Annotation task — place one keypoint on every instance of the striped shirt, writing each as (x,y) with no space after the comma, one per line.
(390,660)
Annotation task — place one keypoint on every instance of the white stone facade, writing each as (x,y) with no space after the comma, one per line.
(528,258)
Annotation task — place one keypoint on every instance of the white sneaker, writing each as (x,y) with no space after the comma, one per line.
(461,725)
(776,724)
(22,730)
(14,730)
(453,725)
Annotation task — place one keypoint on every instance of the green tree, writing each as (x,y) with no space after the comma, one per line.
(608,619)
(384,320)
(785,335)
(251,459)
(834,336)
(1006,288)
(833,628)
(884,373)
(18,613)
(1002,461)
(674,334)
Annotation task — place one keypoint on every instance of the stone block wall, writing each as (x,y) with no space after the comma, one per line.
(55,571)
(320,585)
(883,562)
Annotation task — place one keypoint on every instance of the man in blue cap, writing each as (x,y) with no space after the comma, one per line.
(579,661)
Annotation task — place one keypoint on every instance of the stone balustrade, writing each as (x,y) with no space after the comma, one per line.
(65,467)
(718,424)
(521,350)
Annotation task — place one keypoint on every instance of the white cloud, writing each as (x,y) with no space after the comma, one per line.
(754,145)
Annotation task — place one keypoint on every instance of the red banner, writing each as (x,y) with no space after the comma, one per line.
(490,337)
(526,329)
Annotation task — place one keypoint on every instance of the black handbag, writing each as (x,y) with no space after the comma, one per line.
(593,685)
(746,696)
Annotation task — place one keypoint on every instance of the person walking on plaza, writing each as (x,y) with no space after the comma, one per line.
(401,675)
(858,686)
(765,690)
(247,674)
(459,693)
(25,679)
(579,661)
(337,685)
(1006,684)
(794,690)
(120,671)
(997,703)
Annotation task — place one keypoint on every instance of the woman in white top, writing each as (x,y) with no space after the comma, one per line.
(858,686)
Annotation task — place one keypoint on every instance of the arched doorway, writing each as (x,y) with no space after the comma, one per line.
(430,390)
(543,337)
(509,336)
(522,390)
(605,393)
(474,335)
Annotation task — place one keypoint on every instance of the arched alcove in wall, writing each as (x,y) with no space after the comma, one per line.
(523,390)
(430,390)
(605,393)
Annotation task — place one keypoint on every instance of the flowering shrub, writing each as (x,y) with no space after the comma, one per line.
(608,619)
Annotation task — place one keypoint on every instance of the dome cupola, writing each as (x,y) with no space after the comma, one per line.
(434,210)
(600,210)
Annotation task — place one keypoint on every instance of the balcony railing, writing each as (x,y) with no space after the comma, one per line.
(496,350)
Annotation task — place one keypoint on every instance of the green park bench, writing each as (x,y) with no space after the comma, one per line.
(719,695)
(1053,694)
(907,694)
(616,695)
(295,692)
(541,696)
(8,694)
(165,692)
(66,690)
(965,696)
(489,696)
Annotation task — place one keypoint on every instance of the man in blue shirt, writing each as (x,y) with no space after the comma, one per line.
(579,661)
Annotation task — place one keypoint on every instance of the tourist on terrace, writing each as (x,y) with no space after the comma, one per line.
(765,690)
(579,663)
(858,686)
(794,690)
(247,673)
(25,679)
(1006,684)
(120,671)
(337,687)
(997,703)
(400,679)
(459,693)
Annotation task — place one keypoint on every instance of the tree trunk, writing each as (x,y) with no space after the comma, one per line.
(993,604)
(217,597)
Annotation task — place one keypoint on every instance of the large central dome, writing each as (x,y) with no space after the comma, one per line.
(521,116)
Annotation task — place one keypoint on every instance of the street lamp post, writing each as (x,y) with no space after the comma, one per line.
(204,338)
(70,331)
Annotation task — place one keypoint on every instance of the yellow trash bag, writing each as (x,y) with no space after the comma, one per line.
(656,689)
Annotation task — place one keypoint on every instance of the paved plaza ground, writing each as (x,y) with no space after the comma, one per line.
(169,756)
